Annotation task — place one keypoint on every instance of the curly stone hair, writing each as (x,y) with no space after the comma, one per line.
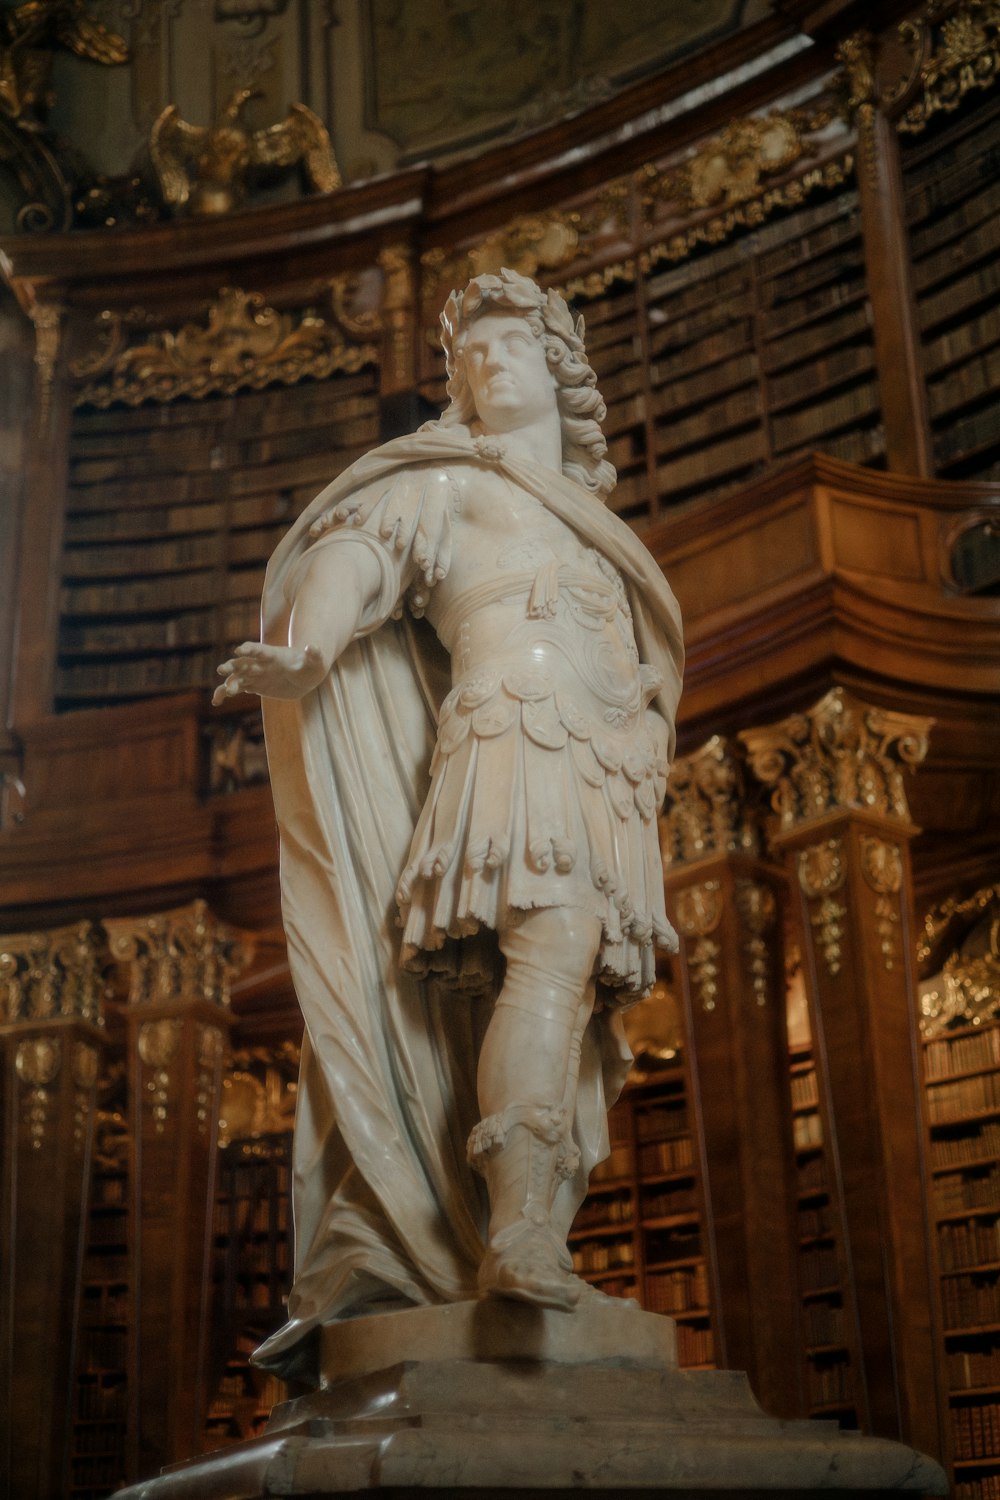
(581,409)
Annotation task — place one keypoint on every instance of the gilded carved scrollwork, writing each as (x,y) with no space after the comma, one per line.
(954,48)
(732,167)
(706,811)
(959,953)
(158,1044)
(699,912)
(822,871)
(184,954)
(758,910)
(841,754)
(44,975)
(857,53)
(244,344)
(882,867)
(37,1062)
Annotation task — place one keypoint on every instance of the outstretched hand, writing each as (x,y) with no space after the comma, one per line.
(270,671)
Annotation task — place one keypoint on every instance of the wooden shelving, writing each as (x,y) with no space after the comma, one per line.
(829,1373)
(962,1077)
(172,512)
(97,1459)
(639,1232)
(951,205)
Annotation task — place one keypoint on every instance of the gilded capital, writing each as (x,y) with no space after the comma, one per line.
(706,811)
(185,954)
(53,975)
(840,755)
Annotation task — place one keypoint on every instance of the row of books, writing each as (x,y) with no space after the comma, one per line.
(666,1156)
(954,1151)
(603,1255)
(665,1202)
(955,221)
(805,1089)
(969,1302)
(618,1210)
(807,1131)
(168,555)
(104,1304)
(815,1221)
(662,1122)
(964,384)
(969,436)
(962,1054)
(823,1323)
(154,522)
(981,332)
(685,1290)
(168,633)
(732,455)
(818,1269)
(103,1349)
(962,1246)
(734,410)
(809,423)
(987,1488)
(968,1368)
(694,1345)
(965,1096)
(975,244)
(811,1176)
(97,1437)
(959,1191)
(829,1383)
(109,1228)
(150,674)
(94,1478)
(960,295)
(682,1242)
(977,1430)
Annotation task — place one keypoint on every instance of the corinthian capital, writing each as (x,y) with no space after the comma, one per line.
(185,954)
(840,755)
(706,813)
(53,974)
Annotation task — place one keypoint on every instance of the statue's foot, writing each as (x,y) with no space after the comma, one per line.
(528,1268)
(589,1294)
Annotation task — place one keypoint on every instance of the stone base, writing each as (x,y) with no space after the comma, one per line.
(493,1399)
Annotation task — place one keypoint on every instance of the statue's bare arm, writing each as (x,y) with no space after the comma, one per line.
(330,604)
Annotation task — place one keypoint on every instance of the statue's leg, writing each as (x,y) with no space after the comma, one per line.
(527,1090)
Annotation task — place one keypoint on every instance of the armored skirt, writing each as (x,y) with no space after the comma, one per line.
(546,779)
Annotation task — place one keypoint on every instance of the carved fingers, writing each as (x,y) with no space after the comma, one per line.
(270,672)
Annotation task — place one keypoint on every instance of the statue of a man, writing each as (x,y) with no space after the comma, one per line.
(470,868)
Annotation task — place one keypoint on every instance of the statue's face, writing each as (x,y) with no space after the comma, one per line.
(508,374)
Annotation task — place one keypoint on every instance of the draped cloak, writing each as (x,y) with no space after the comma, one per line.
(387,1211)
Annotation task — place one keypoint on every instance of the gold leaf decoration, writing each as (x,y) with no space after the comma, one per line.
(729,169)
(758,909)
(706,809)
(955,48)
(182,954)
(45,975)
(965,990)
(841,754)
(244,345)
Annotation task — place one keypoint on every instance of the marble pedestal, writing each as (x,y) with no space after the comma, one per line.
(491,1398)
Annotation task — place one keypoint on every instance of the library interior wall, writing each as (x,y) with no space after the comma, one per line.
(792,313)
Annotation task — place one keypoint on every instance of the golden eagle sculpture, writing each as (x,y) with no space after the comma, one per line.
(206,170)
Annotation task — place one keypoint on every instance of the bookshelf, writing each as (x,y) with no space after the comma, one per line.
(962,1078)
(97,1458)
(639,1233)
(172,513)
(253,1261)
(952,198)
(829,1374)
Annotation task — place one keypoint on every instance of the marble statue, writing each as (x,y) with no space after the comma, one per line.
(469,669)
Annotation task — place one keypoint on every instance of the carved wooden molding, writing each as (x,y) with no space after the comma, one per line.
(822,871)
(244,345)
(840,755)
(706,811)
(185,954)
(966,988)
(50,975)
(882,868)
(954,48)
(699,912)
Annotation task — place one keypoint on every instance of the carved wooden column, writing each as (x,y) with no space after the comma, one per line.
(902,383)
(180,966)
(844,829)
(725,902)
(51,1039)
